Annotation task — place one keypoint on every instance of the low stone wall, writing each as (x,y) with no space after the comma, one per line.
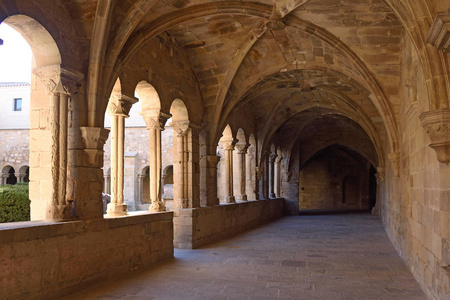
(205,225)
(43,260)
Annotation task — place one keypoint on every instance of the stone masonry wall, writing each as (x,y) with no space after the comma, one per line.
(41,260)
(205,225)
(416,207)
(14,148)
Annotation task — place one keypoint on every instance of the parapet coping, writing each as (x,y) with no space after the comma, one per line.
(31,230)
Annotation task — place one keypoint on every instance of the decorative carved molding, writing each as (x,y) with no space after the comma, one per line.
(242,148)
(181,128)
(155,119)
(272,157)
(276,24)
(395,160)
(380,175)
(212,161)
(228,143)
(58,80)
(439,33)
(93,137)
(437,126)
(120,104)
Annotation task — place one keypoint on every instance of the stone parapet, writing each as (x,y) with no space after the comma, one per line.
(205,225)
(82,252)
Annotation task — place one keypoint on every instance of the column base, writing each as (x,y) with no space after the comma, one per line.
(229,199)
(272,195)
(116,210)
(60,213)
(241,197)
(157,206)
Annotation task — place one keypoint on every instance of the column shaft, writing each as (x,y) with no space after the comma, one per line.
(229,196)
(271,176)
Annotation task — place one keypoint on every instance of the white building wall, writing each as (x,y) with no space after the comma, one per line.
(10,119)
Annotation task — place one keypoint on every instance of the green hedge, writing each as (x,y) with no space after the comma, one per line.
(14,203)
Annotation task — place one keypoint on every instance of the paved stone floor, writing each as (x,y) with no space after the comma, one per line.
(345,256)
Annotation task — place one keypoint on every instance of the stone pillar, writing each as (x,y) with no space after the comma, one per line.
(242,152)
(180,165)
(437,125)
(265,179)
(140,188)
(228,145)
(85,176)
(107,180)
(60,85)
(272,157)
(252,191)
(118,109)
(211,180)
(155,121)
(4,178)
(278,176)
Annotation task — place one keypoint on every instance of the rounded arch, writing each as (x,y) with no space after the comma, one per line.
(179,111)
(167,174)
(24,174)
(241,137)
(44,48)
(8,175)
(148,96)
(143,170)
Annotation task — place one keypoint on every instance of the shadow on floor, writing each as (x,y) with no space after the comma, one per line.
(317,212)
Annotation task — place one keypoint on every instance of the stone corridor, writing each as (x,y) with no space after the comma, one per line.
(345,256)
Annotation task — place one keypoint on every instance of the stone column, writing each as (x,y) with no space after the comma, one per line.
(228,145)
(85,176)
(60,85)
(242,152)
(4,178)
(155,121)
(140,188)
(180,165)
(118,109)
(272,157)
(107,179)
(211,180)
(278,176)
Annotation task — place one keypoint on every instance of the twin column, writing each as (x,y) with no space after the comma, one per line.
(155,121)
(118,109)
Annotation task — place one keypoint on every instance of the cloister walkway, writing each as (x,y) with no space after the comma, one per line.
(346,256)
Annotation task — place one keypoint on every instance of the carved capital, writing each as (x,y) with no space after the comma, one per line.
(439,33)
(242,148)
(395,160)
(272,157)
(437,125)
(155,119)
(212,161)
(259,173)
(58,80)
(228,143)
(380,174)
(181,128)
(120,104)
(93,137)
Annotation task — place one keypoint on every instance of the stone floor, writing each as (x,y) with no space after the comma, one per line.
(345,256)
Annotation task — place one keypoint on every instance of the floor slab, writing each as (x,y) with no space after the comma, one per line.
(346,256)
